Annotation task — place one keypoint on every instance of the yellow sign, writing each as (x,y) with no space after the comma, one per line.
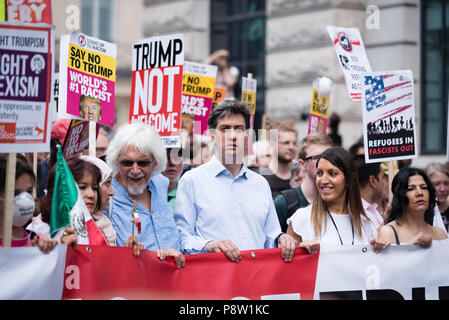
(196,85)
(92,63)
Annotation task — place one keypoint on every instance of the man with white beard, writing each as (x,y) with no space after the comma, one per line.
(137,157)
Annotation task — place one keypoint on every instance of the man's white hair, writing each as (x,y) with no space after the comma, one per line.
(142,137)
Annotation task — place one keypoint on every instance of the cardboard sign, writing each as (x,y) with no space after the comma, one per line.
(219,96)
(157,68)
(2,11)
(198,85)
(348,45)
(389,127)
(249,92)
(319,108)
(87,78)
(54,94)
(26,65)
(29,11)
(77,137)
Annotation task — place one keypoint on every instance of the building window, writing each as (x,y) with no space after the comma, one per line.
(239,26)
(97,18)
(434,75)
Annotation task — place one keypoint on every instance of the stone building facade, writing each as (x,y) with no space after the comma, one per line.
(297,49)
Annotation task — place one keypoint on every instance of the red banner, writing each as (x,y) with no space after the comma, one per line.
(94,272)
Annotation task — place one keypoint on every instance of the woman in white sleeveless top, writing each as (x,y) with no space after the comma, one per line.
(336,215)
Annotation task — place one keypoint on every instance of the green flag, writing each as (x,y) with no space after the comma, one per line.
(65,195)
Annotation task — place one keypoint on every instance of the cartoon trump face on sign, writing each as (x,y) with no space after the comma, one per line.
(90,108)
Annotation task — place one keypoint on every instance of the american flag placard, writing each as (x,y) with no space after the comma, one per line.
(388,116)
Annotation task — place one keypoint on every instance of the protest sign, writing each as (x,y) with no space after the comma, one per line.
(249,91)
(87,78)
(219,96)
(389,128)
(156,88)
(348,45)
(29,11)
(26,64)
(198,83)
(2,11)
(77,137)
(54,94)
(319,108)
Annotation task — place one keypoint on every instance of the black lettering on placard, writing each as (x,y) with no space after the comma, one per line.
(156,54)
(419,293)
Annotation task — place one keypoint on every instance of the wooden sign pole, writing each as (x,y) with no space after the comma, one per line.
(35,173)
(8,206)
(390,181)
(92,138)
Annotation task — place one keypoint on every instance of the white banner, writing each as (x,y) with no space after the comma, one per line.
(28,274)
(398,272)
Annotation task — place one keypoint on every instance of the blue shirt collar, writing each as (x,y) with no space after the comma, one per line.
(217,168)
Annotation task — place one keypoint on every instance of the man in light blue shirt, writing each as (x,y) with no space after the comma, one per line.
(222,206)
(138,157)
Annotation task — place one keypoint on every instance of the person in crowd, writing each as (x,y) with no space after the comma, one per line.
(138,157)
(334,122)
(58,133)
(288,201)
(297,174)
(438,175)
(357,148)
(106,191)
(373,182)
(203,153)
(23,208)
(261,159)
(173,172)
(336,215)
(227,75)
(281,161)
(412,212)
(102,144)
(222,206)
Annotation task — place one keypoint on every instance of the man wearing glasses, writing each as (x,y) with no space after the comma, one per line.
(138,157)
(310,148)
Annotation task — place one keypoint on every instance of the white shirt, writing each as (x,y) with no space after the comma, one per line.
(302,226)
(372,213)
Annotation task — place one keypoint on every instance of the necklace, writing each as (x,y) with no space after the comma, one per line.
(333,222)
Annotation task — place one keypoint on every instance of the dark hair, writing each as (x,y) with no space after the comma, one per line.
(22,167)
(400,201)
(355,147)
(227,107)
(342,159)
(365,170)
(78,167)
(334,121)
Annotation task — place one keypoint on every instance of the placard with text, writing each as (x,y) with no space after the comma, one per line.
(156,88)
(389,127)
(26,66)
(87,78)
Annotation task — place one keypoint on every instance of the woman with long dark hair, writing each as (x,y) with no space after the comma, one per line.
(412,211)
(336,215)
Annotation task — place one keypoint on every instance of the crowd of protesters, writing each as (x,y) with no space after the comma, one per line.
(211,195)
